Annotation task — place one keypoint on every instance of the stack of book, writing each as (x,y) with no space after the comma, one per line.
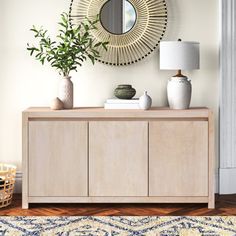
(115,103)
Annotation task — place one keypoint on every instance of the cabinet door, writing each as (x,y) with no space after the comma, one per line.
(178,158)
(118,161)
(58,158)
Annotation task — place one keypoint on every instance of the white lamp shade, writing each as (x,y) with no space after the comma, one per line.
(179,55)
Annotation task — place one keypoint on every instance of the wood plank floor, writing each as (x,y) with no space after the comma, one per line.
(225,205)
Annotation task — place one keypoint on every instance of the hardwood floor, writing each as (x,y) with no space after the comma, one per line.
(225,205)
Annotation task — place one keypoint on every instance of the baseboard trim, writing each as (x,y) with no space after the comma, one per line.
(18,183)
(227,185)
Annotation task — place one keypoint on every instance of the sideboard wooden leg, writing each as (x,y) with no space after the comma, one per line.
(25,203)
(211,203)
(211,150)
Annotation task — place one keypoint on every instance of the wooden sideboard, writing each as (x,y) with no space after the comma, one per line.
(92,155)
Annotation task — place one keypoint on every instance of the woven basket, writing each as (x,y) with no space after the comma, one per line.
(7,182)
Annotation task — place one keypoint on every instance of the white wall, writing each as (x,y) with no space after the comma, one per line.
(24,82)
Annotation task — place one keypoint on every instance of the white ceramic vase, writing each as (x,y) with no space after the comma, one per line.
(179,90)
(66,92)
(145,101)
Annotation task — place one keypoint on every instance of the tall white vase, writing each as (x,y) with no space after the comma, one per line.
(179,90)
(66,92)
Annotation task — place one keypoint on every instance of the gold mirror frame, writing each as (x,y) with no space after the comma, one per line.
(134,45)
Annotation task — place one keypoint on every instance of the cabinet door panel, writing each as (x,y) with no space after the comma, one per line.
(178,158)
(58,158)
(118,160)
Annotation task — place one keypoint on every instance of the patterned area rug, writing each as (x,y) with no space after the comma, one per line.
(124,226)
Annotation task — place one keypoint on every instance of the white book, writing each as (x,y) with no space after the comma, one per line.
(121,106)
(122,101)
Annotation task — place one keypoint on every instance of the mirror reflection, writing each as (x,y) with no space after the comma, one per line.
(118,16)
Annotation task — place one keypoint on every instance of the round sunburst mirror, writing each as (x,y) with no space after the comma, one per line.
(134,28)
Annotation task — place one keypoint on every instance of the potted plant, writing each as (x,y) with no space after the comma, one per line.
(74,45)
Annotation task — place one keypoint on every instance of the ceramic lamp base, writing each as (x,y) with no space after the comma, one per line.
(179,90)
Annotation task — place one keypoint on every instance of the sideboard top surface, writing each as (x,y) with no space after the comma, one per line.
(99,112)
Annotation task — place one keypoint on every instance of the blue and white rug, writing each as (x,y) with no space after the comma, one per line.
(113,226)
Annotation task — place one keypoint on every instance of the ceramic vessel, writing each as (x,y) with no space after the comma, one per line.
(145,101)
(57,104)
(179,91)
(124,91)
(66,92)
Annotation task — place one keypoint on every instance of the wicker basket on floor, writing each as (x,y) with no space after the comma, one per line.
(7,182)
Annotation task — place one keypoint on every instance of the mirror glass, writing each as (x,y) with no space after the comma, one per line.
(118,16)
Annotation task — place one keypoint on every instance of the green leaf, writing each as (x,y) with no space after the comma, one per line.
(104,45)
(32,51)
(97,44)
(34,30)
(42,60)
(91,58)
(62,24)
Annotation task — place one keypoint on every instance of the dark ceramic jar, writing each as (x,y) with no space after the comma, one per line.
(124,91)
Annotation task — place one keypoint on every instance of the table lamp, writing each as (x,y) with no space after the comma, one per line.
(179,55)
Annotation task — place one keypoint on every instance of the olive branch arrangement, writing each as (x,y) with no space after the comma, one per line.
(75,45)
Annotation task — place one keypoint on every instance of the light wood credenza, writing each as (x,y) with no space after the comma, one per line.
(92,155)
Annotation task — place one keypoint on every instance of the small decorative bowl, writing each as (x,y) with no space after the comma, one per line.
(124,91)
